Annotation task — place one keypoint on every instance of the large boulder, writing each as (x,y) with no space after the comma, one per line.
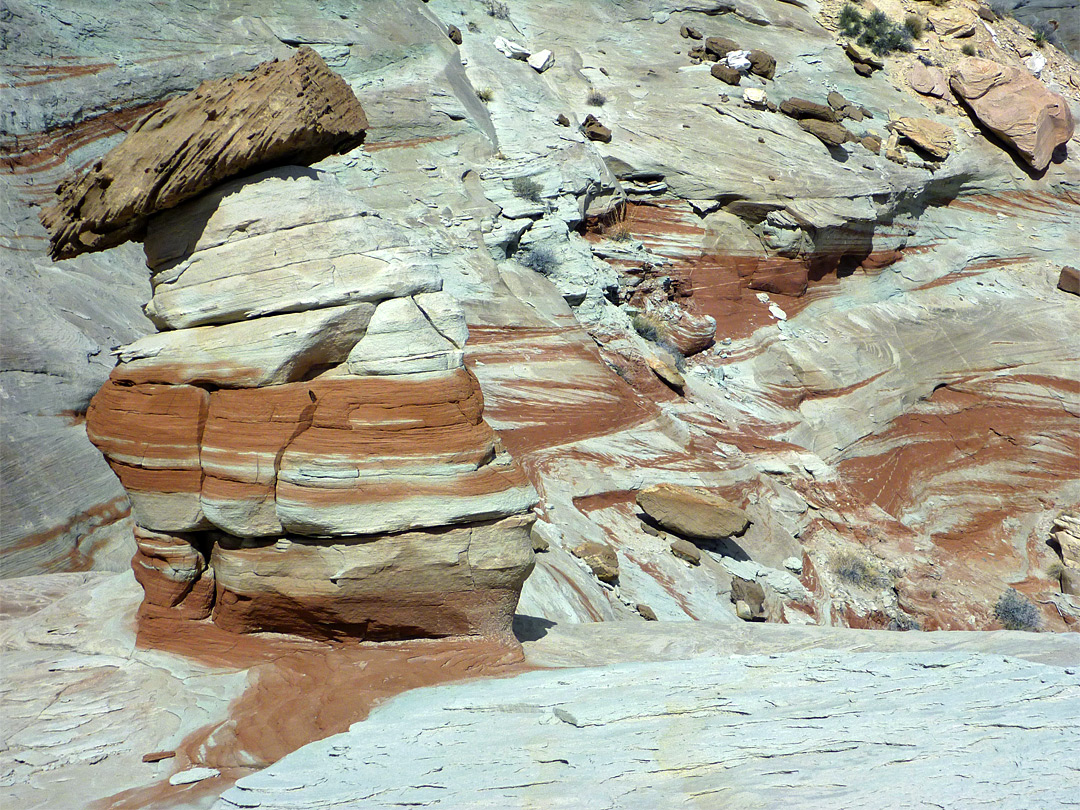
(692,513)
(297,111)
(1015,106)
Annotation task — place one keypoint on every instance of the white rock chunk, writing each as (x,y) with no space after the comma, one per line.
(541,60)
(510,49)
(192,775)
(401,340)
(446,315)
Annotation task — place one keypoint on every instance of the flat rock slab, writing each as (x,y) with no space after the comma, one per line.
(808,728)
(692,513)
(296,111)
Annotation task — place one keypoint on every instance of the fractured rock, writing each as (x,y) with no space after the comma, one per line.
(863,56)
(726,74)
(687,32)
(1015,106)
(800,108)
(762,64)
(297,111)
(1069,280)
(953,21)
(750,593)
(692,513)
(719,47)
(510,49)
(685,550)
(601,559)
(933,139)
(594,130)
(828,133)
(400,339)
(541,61)
(928,81)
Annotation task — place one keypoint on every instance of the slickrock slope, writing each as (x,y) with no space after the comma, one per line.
(889,378)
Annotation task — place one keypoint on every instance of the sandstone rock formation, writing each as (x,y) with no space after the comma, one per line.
(303,448)
(929,137)
(297,111)
(1015,106)
(692,513)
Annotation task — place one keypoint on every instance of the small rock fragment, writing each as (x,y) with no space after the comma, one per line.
(800,108)
(726,74)
(793,564)
(685,550)
(157,756)
(1069,280)
(510,49)
(828,133)
(928,81)
(646,612)
(192,775)
(562,120)
(755,97)
(762,64)
(749,593)
(541,61)
(864,56)
(454,33)
(594,130)
(719,47)
(871,142)
(601,559)
(742,610)
(686,32)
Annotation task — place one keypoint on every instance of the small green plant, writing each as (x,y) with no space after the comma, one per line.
(1016,612)
(496,9)
(648,326)
(595,98)
(914,25)
(540,259)
(874,31)
(485,94)
(527,189)
(856,569)
(968,50)
(1040,39)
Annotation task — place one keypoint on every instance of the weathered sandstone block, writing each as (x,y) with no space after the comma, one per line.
(174,575)
(1015,106)
(297,111)
(692,513)
(402,339)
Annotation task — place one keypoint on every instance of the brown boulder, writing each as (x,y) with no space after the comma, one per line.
(726,74)
(692,513)
(871,142)
(685,550)
(594,130)
(828,133)
(719,47)
(762,64)
(601,559)
(801,108)
(1015,106)
(929,137)
(1069,280)
(297,111)
(454,33)
(750,592)
(687,32)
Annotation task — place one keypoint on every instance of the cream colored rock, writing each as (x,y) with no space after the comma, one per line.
(1016,106)
(541,61)
(401,339)
(929,81)
(264,351)
(446,315)
(954,21)
(932,138)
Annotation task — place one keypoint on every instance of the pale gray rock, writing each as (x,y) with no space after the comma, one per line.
(400,339)
(661,733)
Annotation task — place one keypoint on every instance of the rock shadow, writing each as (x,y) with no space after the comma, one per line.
(530,628)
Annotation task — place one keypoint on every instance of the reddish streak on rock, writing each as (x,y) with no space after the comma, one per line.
(976,269)
(375,145)
(52,73)
(300,691)
(1031,204)
(95,517)
(585,603)
(664,581)
(40,151)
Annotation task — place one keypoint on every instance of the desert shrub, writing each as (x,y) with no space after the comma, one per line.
(540,259)
(874,31)
(903,623)
(648,326)
(1054,570)
(527,189)
(1039,37)
(914,25)
(496,9)
(596,98)
(1016,612)
(485,94)
(618,231)
(855,569)
(968,50)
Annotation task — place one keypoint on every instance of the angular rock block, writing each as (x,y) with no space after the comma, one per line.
(433,583)
(297,111)
(692,513)
(1015,106)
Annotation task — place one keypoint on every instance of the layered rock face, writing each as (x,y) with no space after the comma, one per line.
(302,444)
